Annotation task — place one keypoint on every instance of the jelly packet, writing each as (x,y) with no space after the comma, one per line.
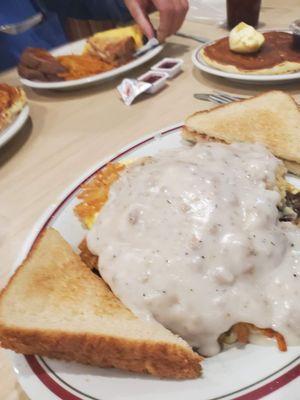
(129,89)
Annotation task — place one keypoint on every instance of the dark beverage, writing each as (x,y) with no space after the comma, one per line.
(296,41)
(243,11)
(295,28)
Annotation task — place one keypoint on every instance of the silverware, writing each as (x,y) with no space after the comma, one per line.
(218,97)
(199,39)
(20,27)
(150,45)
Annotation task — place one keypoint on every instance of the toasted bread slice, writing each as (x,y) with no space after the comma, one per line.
(115,35)
(115,46)
(194,137)
(271,118)
(292,167)
(55,306)
(117,52)
(12,101)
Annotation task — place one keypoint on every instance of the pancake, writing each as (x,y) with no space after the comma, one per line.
(277,56)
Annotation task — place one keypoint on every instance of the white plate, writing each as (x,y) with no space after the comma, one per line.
(241,374)
(267,79)
(13,128)
(77,48)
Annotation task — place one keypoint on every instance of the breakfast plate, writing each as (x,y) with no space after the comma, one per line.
(262,79)
(77,48)
(10,131)
(248,373)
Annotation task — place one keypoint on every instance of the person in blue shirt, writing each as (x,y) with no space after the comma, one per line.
(51,31)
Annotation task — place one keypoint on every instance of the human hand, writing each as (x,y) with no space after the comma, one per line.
(171,15)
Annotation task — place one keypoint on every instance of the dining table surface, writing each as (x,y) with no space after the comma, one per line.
(70,131)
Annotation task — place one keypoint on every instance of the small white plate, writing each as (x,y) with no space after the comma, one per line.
(13,128)
(251,373)
(77,48)
(266,79)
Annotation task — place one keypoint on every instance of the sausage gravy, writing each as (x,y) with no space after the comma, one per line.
(191,238)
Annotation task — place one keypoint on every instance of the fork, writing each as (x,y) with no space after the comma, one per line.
(218,97)
(221,97)
(20,27)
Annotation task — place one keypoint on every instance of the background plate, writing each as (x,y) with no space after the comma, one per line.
(248,373)
(265,79)
(10,131)
(77,48)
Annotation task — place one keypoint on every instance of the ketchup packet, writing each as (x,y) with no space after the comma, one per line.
(129,89)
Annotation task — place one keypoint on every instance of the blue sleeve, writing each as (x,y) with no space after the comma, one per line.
(89,9)
(116,9)
(47,34)
(13,11)
(50,33)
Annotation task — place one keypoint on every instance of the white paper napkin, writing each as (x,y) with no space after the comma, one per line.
(207,10)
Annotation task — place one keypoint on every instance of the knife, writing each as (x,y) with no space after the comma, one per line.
(150,45)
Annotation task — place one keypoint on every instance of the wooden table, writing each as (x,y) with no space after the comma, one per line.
(70,131)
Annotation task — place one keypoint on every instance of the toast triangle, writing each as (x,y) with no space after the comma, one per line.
(55,306)
(271,118)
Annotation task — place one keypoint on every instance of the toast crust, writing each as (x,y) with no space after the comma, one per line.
(195,137)
(158,359)
(230,128)
(158,356)
(292,167)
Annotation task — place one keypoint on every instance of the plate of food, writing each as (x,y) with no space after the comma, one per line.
(14,111)
(102,56)
(169,269)
(249,56)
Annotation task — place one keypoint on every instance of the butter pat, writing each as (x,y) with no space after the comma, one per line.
(244,39)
